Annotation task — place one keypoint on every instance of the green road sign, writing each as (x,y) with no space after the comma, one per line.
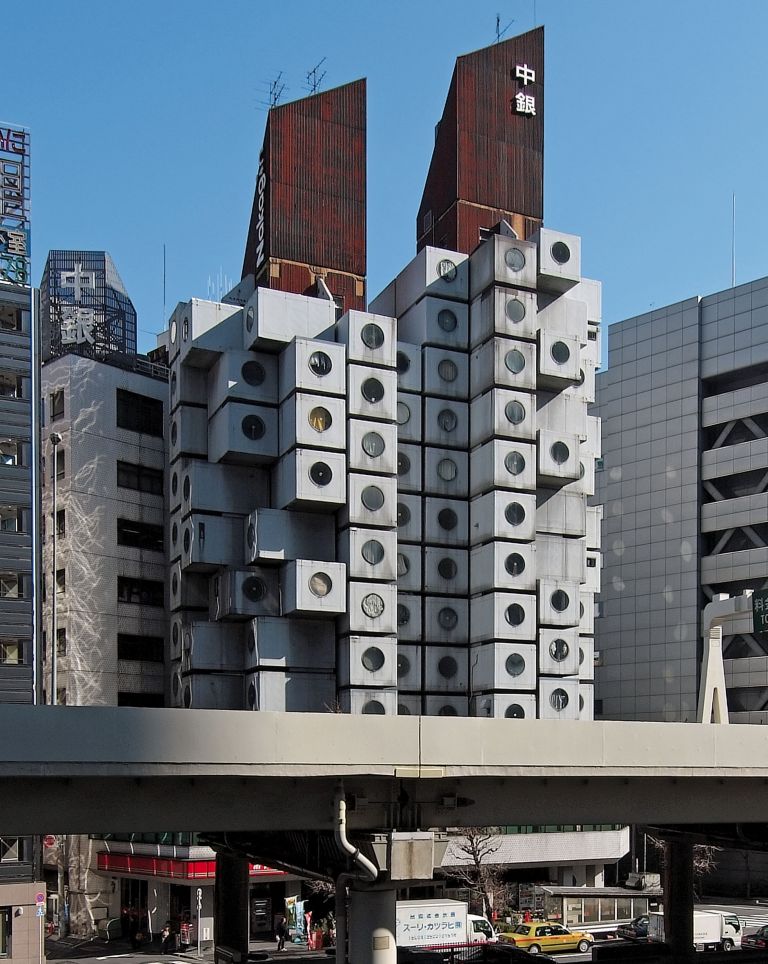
(760,611)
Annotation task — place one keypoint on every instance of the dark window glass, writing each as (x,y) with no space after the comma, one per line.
(140,592)
(140,699)
(140,535)
(137,413)
(140,477)
(149,648)
(57,405)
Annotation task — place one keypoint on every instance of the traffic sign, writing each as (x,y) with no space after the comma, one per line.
(39,897)
(40,912)
(49,840)
(760,611)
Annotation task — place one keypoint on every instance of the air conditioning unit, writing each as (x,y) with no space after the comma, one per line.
(241,376)
(560,557)
(374,702)
(563,412)
(372,501)
(503,615)
(445,373)
(446,423)
(277,535)
(446,522)
(243,433)
(295,645)
(188,434)
(446,621)
(209,541)
(273,318)
(507,566)
(409,671)
(204,331)
(502,260)
(409,617)
(408,364)
(289,692)
(446,705)
(588,658)
(594,524)
(502,312)
(243,594)
(312,421)
(409,568)
(174,535)
(369,338)
(565,314)
(503,666)
(446,669)
(311,479)
(313,588)
(558,458)
(559,260)
(408,417)
(558,602)
(311,365)
(408,518)
(372,392)
(372,609)
(407,704)
(212,647)
(369,661)
(558,698)
(511,706)
(502,464)
(503,363)
(559,361)
(505,414)
(187,386)
(209,487)
(446,570)
(446,473)
(369,553)
(502,515)
(435,321)
(208,691)
(558,652)
(187,590)
(436,272)
(563,513)
(371,448)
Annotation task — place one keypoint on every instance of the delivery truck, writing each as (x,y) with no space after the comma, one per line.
(427,923)
(712,930)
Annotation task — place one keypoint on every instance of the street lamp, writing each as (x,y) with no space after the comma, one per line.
(55,442)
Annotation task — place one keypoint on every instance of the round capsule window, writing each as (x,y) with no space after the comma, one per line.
(251,641)
(187,697)
(187,540)
(374,708)
(186,487)
(514,712)
(447,519)
(253,373)
(174,433)
(514,564)
(175,634)
(403,414)
(403,363)
(514,259)
(447,470)
(372,336)
(581,702)
(174,483)
(560,352)
(448,618)
(559,650)
(402,710)
(320,419)
(515,361)
(173,384)
(560,600)
(372,498)
(515,412)
(581,655)
(174,584)
(447,568)
(372,390)
(403,514)
(448,370)
(403,615)
(253,427)
(447,710)
(372,605)
(514,614)
(559,452)
(447,420)
(403,564)
(373,444)
(514,513)
(515,310)
(254,588)
(447,667)
(252,696)
(320,473)
(320,584)
(174,330)
(250,318)
(372,552)
(372,659)
(446,269)
(515,664)
(174,533)
(514,463)
(319,363)
(251,535)
(558,699)
(403,464)
(561,252)
(446,319)
(403,666)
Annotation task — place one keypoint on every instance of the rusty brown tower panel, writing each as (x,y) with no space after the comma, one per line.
(488,160)
(308,218)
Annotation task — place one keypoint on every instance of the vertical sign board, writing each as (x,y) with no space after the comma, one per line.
(14,206)
(760,611)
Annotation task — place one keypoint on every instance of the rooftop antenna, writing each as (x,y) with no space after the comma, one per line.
(499,32)
(733,240)
(275,91)
(313,80)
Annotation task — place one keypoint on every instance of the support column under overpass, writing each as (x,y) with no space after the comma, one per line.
(678,898)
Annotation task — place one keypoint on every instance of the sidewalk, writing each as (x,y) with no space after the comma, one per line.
(69,948)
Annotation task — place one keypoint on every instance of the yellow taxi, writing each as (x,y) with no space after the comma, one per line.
(547,935)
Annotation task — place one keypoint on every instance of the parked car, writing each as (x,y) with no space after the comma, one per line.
(548,936)
(635,930)
(758,939)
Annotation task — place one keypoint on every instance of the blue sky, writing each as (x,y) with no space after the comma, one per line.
(146,122)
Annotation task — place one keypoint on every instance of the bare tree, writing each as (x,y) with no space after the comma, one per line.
(476,847)
(704,860)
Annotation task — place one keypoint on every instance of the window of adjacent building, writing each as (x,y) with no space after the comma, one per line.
(140,592)
(139,699)
(61,642)
(61,463)
(61,580)
(10,452)
(10,386)
(142,478)
(10,849)
(147,648)
(11,585)
(5,931)
(11,652)
(140,535)
(61,522)
(11,518)
(138,413)
(10,318)
(57,404)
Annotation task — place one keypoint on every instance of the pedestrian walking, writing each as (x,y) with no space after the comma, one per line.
(281,932)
